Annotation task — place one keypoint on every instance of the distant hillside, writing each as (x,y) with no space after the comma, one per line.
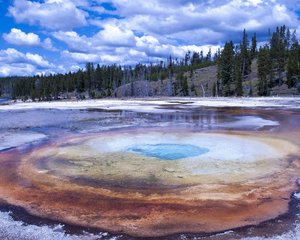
(201,83)
(280,89)
(239,69)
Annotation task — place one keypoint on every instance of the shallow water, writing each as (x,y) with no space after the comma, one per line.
(167,151)
(78,124)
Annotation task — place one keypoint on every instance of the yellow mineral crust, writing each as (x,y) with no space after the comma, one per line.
(93,180)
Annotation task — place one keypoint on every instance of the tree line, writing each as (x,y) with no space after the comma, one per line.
(278,62)
(99,81)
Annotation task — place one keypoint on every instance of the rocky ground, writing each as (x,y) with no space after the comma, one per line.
(203,80)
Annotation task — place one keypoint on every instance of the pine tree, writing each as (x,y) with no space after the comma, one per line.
(89,71)
(238,73)
(293,65)
(80,82)
(187,58)
(185,86)
(245,55)
(208,56)
(263,70)
(226,69)
(214,89)
(278,54)
(254,47)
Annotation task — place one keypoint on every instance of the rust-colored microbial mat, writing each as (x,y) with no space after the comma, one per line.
(160,180)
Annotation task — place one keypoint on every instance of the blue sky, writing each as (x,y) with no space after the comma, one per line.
(57,36)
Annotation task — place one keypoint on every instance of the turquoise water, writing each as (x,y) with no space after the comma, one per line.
(168,151)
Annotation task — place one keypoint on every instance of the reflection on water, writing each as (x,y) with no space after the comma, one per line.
(84,121)
(56,123)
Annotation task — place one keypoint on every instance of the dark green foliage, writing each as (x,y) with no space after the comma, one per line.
(182,83)
(238,68)
(91,82)
(278,54)
(278,63)
(214,89)
(185,87)
(226,69)
(245,55)
(263,63)
(102,81)
(254,47)
(234,63)
(293,65)
(281,56)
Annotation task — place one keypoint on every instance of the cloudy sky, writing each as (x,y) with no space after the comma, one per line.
(51,36)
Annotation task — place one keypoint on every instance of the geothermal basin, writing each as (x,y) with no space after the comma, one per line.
(168,169)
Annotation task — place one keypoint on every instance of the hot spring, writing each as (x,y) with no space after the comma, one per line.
(167,151)
(176,168)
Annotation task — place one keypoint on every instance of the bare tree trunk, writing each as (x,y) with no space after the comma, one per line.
(203,90)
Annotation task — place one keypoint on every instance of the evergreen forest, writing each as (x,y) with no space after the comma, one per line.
(277,63)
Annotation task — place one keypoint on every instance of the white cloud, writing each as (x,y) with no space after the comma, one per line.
(224,19)
(153,48)
(146,49)
(17,69)
(254,2)
(110,37)
(17,37)
(11,55)
(14,62)
(51,14)
(281,14)
(74,41)
(47,44)
(79,57)
(113,35)
(113,44)
(144,31)
(20,38)
(38,60)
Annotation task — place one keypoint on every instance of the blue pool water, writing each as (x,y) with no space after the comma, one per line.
(168,151)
